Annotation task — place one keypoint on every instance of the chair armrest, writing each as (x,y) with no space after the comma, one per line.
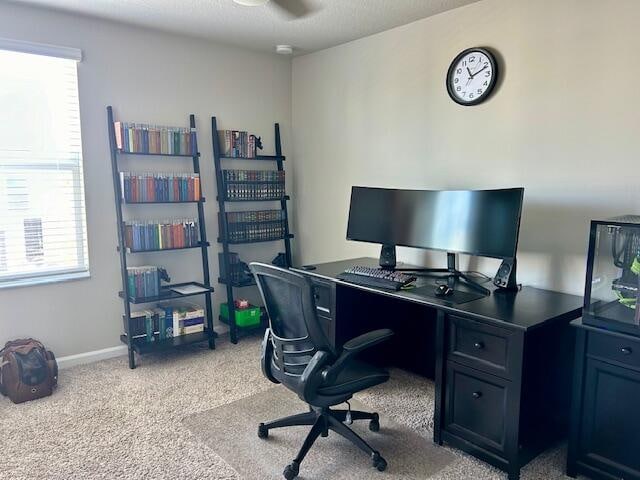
(312,376)
(352,348)
(366,340)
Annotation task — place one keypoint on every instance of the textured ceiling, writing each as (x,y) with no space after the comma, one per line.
(332,23)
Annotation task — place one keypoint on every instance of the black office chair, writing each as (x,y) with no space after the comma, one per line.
(297,353)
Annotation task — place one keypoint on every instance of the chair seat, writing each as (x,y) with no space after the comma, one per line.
(354,377)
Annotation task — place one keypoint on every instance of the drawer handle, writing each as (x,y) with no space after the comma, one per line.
(626,351)
(479,345)
(476,395)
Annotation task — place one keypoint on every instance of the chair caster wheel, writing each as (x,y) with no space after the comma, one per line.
(374,424)
(263,432)
(291,471)
(378,462)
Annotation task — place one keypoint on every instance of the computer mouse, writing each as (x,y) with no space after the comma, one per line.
(443,290)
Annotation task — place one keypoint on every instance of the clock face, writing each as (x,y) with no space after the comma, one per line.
(471,76)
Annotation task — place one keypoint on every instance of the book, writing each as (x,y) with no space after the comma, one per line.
(144,138)
(159,187)
(237,144)
(145,235)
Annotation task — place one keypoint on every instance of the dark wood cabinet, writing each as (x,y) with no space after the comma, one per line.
(605,432)
(506,391)
(476,406)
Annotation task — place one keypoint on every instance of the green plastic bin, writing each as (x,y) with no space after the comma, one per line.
(247,317)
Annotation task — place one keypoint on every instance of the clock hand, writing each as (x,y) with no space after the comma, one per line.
(473,75)
(470,74)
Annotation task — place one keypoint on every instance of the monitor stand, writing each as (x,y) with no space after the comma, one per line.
(453,275)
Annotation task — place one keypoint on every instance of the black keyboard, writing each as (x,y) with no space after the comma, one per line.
(376,278)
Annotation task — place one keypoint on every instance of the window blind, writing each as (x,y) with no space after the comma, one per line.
(42,210)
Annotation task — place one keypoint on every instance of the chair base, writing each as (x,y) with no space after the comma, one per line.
(322,421)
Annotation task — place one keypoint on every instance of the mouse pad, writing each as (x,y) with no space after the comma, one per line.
(457,297)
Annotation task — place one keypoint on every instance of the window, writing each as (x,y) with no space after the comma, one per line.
(43,234)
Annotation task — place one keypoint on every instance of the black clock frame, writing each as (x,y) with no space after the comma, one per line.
(492,84)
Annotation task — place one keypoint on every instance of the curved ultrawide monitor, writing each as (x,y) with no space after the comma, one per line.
(476,222)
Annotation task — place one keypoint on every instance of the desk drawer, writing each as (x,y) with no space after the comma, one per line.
(324,295)
(482,346)
(607,346)
(476,407)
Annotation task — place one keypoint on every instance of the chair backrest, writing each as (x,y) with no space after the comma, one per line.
(296,332)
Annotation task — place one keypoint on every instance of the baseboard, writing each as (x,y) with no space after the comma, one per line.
(90,357)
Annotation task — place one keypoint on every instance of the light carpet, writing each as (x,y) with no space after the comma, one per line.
(231,431)
(108,422)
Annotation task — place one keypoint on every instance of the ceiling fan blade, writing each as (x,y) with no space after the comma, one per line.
(294,8)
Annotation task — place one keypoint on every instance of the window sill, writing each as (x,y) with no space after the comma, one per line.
(56,278)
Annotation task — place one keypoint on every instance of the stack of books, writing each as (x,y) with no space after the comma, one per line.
(160,187)
(142,138)
(166,321)
(237,144)
(143,281)
(258,225)
(253,184)
(141,235)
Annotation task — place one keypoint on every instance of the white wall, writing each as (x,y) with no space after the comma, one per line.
(148,77)
(563,123)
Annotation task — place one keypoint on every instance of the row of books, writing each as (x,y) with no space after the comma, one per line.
(166,321)
(142,138)
(253,232)
(237,144)
(253,176)
(143,281)
(161,235)
(254,191)
(254,216)
(160,187)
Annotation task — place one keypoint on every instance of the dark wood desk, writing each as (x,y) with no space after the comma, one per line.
(501,364)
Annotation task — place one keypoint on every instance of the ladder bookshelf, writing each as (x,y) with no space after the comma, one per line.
(140,345)
(248,189)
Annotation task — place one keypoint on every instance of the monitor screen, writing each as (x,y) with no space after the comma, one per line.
(476,222)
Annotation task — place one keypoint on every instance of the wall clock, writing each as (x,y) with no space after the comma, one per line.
(472,76)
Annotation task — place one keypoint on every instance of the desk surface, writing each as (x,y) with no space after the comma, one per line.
(527,309)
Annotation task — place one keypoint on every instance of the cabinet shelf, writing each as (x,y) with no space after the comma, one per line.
(141,346)
(167,294)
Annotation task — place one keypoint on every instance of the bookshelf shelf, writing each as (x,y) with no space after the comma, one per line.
(276,199)
(124,202)
(141,346)
(167,294)
(268,158)
(183,155)
(281,231)
(199,245)
(223,281)
(242,242)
